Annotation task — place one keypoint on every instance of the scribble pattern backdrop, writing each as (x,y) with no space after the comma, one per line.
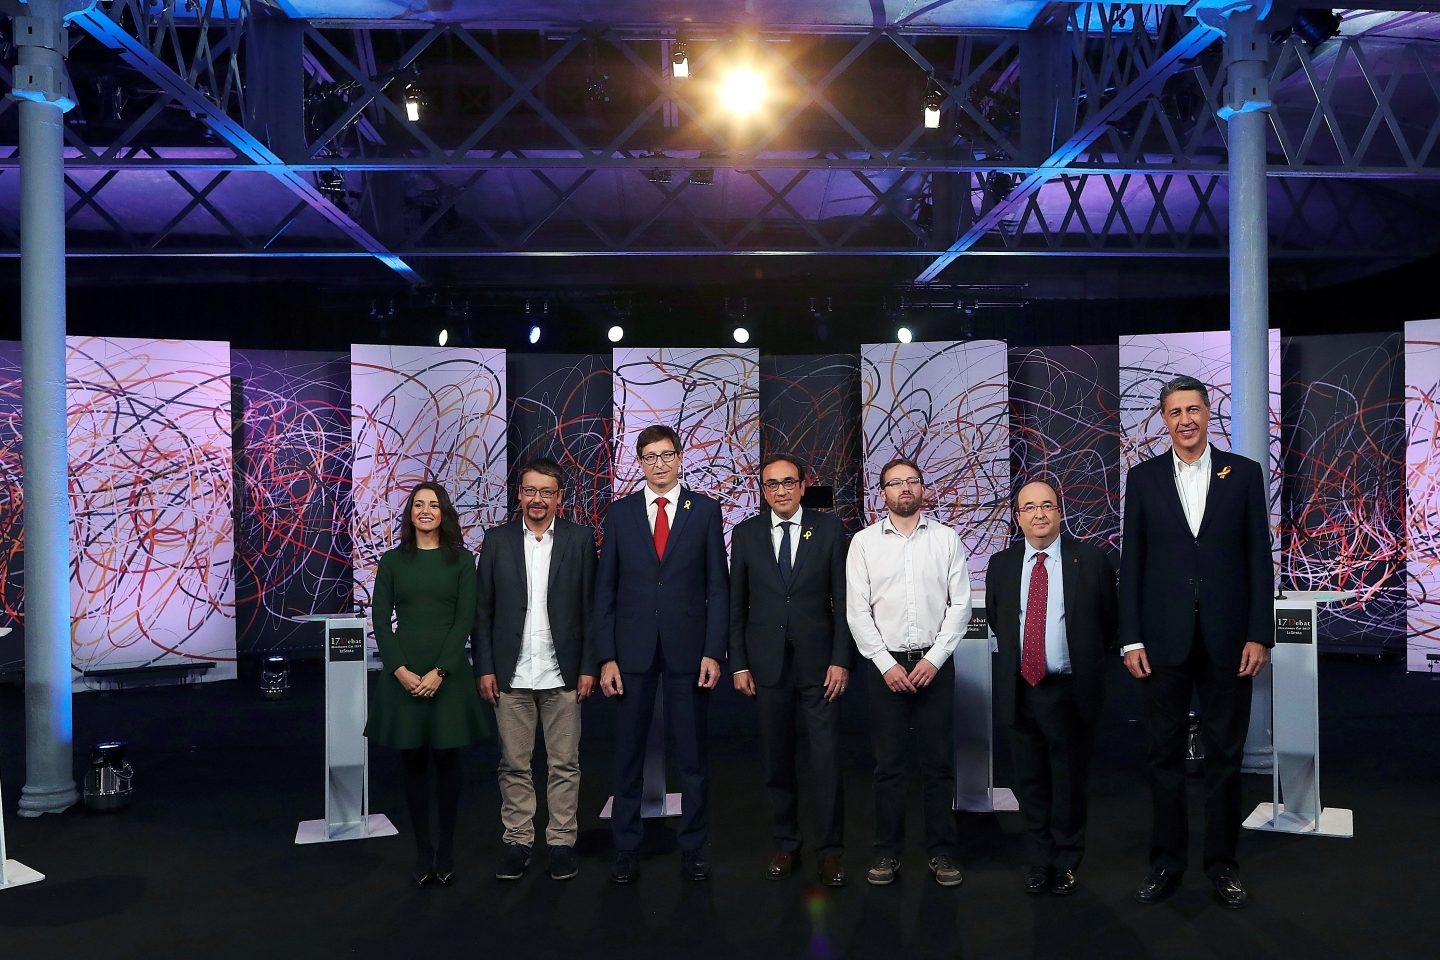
(560,408)
(946,406)
(292,464)
(810,406)
(1065,429)
(1422,484)
(152,540)
(423,413)
(12,521)
(712,399)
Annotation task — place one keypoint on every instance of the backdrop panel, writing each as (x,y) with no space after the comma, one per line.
(810,406)
(292,462)
(1422,487)
(711,397)
(12,520)
(1344,514)
(152,540)
(560,408)
(947,407)
(423,413)
(1065,429)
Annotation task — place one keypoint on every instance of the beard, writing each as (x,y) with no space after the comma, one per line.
(905,508)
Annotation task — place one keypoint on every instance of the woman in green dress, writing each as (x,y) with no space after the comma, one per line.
(424,703)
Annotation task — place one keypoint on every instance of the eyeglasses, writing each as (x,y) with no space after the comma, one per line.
(789,483)
(650,459)
(1046,507)
(544,493)
(898,482)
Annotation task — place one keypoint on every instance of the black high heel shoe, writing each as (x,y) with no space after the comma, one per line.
(444,871)
(423,872)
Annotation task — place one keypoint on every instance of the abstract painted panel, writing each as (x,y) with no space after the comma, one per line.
(947,407)
(423,413)
(12,520)
(711,397)
(1422,487)
(560,408)
(293,469)
(810,406)
(152,537)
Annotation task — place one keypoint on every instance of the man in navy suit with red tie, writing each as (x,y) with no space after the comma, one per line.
(1196,616)
(661,623)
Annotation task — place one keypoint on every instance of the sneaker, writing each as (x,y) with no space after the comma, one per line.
(563,864)
(883,871)
(947,871)
(513,862)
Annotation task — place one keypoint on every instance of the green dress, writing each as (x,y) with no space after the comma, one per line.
(434,603)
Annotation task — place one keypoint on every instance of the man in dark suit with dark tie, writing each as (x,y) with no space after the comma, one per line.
(1050,599)
(535,662)
(790,649)
(1196,616)
(661,621)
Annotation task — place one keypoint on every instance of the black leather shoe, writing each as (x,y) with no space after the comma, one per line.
(694,866)
(1228,890)
(1159,883)
(782,864)
(423,873)
(444,869)
(513,862)
(1063,883)
(1037,879)
(625,867)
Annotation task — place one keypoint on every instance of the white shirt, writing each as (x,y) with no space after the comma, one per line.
(1057,648)
(906,593)
(672,495)
(777,533)
(538,668)
(1192,483)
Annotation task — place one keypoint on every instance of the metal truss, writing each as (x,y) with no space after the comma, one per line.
(252,135)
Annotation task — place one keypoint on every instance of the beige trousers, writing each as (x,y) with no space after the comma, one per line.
(517,713)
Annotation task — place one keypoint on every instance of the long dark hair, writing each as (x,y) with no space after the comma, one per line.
(452,538)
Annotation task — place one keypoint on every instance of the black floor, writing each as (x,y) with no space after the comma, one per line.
(203,864)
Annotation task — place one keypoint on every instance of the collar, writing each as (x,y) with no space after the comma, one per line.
(1052,552)
(672,496)
(886,526)
(795,519)
(1203,464)
(547,532)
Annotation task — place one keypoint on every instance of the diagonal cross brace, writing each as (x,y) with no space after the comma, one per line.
(246,144)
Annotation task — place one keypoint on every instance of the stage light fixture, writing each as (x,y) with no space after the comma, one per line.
(444,337)
(1315,25)
(414,102)
(744,90)
(679,60)
(331,184)
(904,335)
(999,185)
(741,335)
(616,333)
(109,783)
(534,335)
(274,678)
(934,100)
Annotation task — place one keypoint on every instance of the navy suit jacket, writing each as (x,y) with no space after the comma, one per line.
(1223,574)
(680,606)
(1089,581)
(502,598)
(809,611)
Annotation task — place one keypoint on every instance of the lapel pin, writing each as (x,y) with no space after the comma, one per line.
(807,534)
(1224,473)
(687,502)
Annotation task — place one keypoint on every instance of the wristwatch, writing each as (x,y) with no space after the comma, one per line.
(442,672)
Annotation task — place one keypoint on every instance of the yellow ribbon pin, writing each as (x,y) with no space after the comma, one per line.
(1224,473)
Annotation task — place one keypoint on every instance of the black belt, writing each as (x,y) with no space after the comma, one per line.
(909,656)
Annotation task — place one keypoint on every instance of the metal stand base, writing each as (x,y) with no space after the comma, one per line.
(1334,822)
(317,831)
(16,874)
(649,809)
(1000,800)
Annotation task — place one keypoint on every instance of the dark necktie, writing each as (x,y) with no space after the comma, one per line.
(1032,654)
(785,526)
(662,527)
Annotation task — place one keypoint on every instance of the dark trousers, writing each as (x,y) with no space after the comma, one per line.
(685,707)
(1051,745)
(780,706)
(1224,722)
(920,725)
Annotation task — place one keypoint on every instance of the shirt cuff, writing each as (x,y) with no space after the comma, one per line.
(1131,646)
(736,673)
(883,661)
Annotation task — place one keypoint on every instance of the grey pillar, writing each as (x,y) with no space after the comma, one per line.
(42,88)
(1247,101)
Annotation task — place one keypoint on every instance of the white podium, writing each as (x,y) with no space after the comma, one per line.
(347,773)
(1296,774)
(655,803)
(975,790)
(13,873)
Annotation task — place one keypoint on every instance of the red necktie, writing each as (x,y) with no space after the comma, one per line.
(662,527)
(1032,654)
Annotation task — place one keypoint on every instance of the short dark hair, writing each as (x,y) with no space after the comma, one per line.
(1184,382)
(654,434)
(781,456)
(902,462)
(546,467)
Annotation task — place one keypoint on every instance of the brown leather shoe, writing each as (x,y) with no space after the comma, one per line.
(831,872)
(782,864)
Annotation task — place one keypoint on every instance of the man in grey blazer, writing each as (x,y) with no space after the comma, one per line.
(534,662)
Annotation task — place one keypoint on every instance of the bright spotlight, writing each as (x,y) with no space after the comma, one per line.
(679,60)
(934,100)
(616,333)
(414,103)
(444,336)
(743,91)
(741,335)
(904,335)
(535,334)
